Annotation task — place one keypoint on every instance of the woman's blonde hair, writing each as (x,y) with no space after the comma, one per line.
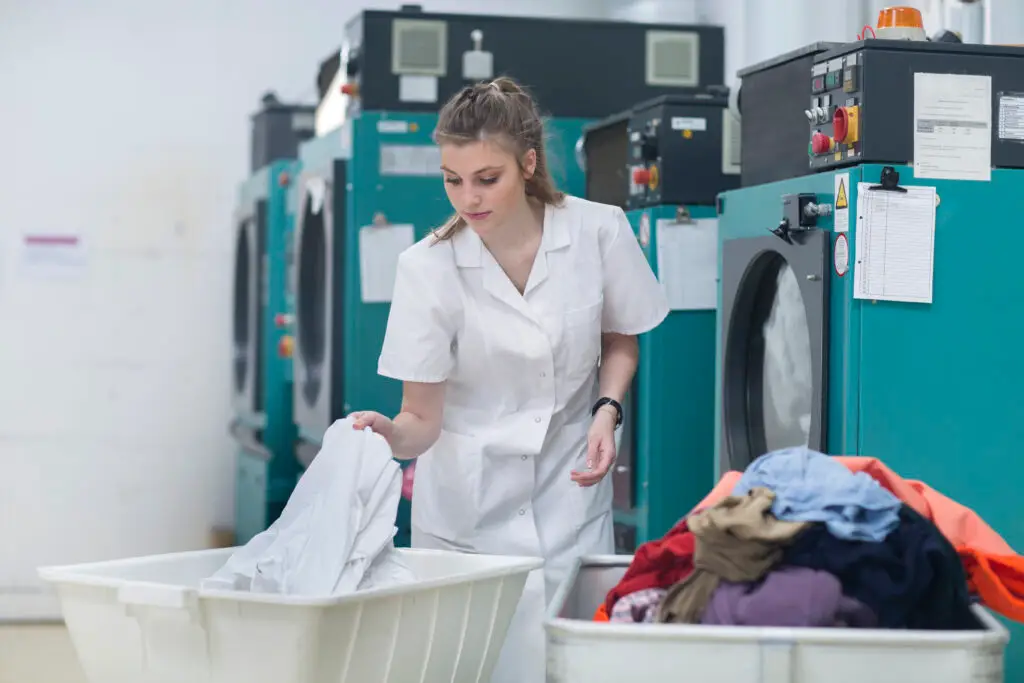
(503,111)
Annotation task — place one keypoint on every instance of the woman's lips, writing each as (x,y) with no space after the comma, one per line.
(477,216)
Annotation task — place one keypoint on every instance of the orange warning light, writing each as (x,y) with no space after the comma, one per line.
(900,17)
(900,23)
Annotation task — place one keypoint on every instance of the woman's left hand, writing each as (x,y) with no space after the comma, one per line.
(600,449)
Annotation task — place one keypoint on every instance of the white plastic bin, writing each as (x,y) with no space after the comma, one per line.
(583,651)
(144,620)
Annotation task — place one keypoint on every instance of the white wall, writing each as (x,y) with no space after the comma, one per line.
(127,122)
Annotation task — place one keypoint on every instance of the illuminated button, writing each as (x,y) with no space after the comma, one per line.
(641,176)
(286,346)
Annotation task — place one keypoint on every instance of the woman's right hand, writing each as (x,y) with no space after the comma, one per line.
(380,424)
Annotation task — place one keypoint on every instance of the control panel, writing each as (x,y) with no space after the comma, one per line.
(683,150)
(834,111)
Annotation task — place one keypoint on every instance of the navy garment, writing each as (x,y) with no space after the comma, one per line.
(913,579)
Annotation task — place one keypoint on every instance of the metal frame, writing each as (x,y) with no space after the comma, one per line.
(245,390)
(312,379)
(745,300)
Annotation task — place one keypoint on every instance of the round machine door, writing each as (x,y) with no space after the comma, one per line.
(774,371)
(243,318)
(312,289)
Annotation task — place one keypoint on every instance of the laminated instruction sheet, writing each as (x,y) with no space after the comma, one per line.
(952,126)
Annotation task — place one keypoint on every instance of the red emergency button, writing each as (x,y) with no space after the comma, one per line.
(641,176)
(821,143)
(283,319)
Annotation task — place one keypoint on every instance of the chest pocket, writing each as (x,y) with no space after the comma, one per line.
(581,340)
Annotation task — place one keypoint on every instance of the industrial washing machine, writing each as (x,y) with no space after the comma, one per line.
(392,74)
(665,161)
(261,360)
(866,305)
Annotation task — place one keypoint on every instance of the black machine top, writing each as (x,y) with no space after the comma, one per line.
(717,95)
(792,55)
(411,60)
(925,46)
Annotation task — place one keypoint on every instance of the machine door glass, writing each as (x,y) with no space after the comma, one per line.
(242,304)
(774,305)
(310,294)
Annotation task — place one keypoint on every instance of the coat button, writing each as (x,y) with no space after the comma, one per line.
(524,457)
(522,512)
(537,420)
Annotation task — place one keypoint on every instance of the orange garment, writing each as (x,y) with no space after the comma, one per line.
(995,571)
(601,614)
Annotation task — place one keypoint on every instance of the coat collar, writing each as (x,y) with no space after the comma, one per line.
(471,253)
(469,248)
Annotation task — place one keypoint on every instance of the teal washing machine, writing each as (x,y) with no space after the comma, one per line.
(261,365)
(394,71)
(867,307)
(665,161)
(347,196)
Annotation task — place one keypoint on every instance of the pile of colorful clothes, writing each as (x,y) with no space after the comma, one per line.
(805,539)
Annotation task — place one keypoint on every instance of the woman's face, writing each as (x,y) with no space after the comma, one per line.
(484,182)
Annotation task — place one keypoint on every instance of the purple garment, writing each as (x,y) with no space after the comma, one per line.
(787,596)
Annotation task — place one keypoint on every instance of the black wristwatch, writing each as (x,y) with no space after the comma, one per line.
(605,401)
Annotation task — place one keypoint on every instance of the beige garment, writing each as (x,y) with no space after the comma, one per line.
(738,539)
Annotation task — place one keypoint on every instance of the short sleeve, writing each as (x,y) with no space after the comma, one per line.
(634,301)
(418,339)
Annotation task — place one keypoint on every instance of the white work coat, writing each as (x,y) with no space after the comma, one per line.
(521,374)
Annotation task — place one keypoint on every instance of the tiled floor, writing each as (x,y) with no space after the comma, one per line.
(37,654)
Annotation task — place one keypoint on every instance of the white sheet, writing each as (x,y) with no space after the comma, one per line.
(336,534)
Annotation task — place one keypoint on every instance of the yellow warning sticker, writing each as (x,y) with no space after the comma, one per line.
(841,201)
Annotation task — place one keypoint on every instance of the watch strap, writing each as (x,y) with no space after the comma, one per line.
(606,401)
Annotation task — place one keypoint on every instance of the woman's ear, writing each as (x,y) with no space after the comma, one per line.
(529,164)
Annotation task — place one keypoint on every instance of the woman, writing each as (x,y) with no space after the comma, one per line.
(497,326)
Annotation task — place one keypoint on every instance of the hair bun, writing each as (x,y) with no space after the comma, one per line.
(506,85)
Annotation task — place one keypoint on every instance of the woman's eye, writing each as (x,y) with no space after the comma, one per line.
(452,181)
(489,181)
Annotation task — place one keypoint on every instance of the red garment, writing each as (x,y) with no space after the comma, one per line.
(657,564)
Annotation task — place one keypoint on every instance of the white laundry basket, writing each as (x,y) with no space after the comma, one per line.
(581,650)
(144,620)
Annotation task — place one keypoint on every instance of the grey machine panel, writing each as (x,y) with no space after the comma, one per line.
(317,279)
(774,317)
(246,375)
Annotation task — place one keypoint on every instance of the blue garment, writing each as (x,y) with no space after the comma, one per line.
(812,487)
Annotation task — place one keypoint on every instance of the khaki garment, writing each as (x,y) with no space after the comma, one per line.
(738,539)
